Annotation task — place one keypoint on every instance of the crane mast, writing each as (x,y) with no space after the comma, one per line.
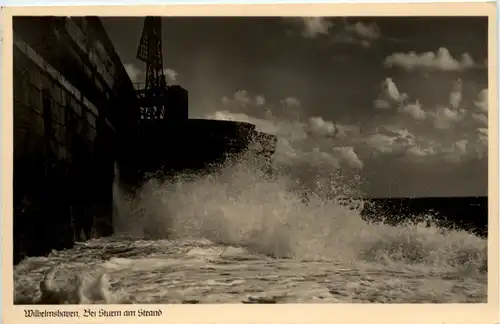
(152,98)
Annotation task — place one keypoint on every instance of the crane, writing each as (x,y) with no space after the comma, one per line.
(152,98)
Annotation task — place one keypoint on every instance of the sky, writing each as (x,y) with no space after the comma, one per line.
(402,101)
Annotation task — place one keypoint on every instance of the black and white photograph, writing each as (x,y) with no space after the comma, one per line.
(250,159)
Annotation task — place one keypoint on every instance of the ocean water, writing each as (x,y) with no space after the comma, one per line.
(242,236)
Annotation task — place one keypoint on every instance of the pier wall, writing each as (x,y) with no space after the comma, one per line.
(73,101)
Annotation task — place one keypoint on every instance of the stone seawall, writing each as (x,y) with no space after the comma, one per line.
(68,85)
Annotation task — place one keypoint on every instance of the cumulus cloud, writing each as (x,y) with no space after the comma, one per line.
(480,106)
(366,31)
(415,111)
(242,99)
(456,94)
(481,143)
(291,102)
(170,74)
(310,142)
(138,75)
(391,140)
(314,26)
(347,38)
(482,132)
(416,135)
(352,131)
(441,60)
(260,100)
(348,156)
(381,143)
(381,104)
(433,130)
(320,127)
(461,146)
(456,151)
(482,136)
(389,95)
(480,118)
(359,33)
(482,101)
(294,145)
(445,118)
(418,151)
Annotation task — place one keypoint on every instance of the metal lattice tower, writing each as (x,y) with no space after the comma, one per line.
(152,97)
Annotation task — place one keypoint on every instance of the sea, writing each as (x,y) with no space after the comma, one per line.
(242,236)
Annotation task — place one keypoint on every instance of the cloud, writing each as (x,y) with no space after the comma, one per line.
(311,143)
(347,38)
(365,31)
(456,151)
(314,26)
(482,101)
(359,33)
(415,111)
(170,74)
(443,135)
(481,106)
(482,133)
(381,104)
(420,135)
(137,75)
(441,60)
(390,140)
(242,99)
(396,140)
(416,137)
(445,118)
(461,146)
(456,94)
(347,156)
(481,143)
(291,102)
(260,100)
(381,143)
(389,95)
(320,127)
(482,136)
(133,72)
(420,152)
(480,118)
(352,131)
